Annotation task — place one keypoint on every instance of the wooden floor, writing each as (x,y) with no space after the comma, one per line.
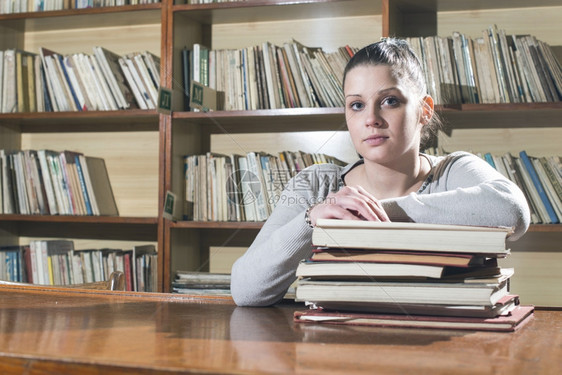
(97,332)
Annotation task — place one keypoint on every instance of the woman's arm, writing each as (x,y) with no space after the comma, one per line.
(465,190)
(263,274)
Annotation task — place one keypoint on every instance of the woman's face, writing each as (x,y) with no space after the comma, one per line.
(382,114)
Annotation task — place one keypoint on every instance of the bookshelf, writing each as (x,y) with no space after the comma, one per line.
(496,127)
(144,149)
(128,140)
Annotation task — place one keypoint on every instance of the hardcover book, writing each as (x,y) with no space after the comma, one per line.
(504,323)
(411,236)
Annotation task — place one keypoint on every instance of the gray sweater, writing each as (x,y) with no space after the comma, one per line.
(461,189)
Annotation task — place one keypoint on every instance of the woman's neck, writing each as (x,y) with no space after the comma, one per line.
(384,181)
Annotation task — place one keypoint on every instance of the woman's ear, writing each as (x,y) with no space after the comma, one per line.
(427,109)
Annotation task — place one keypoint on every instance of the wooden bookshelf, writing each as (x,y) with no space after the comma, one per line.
(145,149)
(128,140)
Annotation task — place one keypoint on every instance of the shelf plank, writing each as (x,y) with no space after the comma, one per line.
(234,225)
(86,121)
(88,227)
(106,16)
(467,116)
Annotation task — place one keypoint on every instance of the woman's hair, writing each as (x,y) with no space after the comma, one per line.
(406,66)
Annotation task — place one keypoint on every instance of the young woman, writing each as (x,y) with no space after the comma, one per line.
(389,115)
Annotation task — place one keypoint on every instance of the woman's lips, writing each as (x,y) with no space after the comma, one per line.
(375,140)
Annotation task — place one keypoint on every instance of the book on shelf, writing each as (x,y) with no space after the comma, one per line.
(412,236)
(9,82)
(57,262)
(109,62)
(526,160)
(12,263)
(516,319)
(240,187)
(267,76)
(48,182)
(494,68)
(101,186)
(145,268)
(51,262)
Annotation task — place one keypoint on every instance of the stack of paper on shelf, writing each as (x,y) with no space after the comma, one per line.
(408,275)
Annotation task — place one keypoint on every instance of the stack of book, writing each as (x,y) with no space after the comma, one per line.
(201,283)
(408,275)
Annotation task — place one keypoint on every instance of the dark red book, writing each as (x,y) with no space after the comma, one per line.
(503,323)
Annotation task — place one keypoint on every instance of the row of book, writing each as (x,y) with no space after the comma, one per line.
(57,262)
(494,68)
(47,182)
(408,275)
(267,76)
(241,187)
(51,82)
(23,6)
(540,179)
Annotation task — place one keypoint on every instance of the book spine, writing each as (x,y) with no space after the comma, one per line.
(538,185)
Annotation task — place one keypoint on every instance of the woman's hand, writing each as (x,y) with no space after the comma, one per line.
(350,203)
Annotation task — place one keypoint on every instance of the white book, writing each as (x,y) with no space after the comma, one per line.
(1,77)
(141,102)
(89,186)
(553,197)
(73,79)
(248,197)
(67,90)
(9,101)
(145,77)
(135,74)
(101,55)
(86,75)
(47,182)
(102,83)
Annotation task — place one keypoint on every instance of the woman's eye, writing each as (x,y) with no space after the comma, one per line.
(391,101)
(356,106)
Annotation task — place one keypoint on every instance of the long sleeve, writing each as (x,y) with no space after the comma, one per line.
(263,274)
(465,190)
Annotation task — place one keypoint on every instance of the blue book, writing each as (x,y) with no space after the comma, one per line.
(83,185)
(488,157)
(538,185)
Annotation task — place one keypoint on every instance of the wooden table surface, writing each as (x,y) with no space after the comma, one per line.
(53,331)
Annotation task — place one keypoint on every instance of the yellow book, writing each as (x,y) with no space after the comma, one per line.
(50,265)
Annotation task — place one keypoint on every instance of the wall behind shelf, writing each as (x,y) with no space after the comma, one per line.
(537,21)
(328,33)
(137,38)
(333,143)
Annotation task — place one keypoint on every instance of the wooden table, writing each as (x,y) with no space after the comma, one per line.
(58,331)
